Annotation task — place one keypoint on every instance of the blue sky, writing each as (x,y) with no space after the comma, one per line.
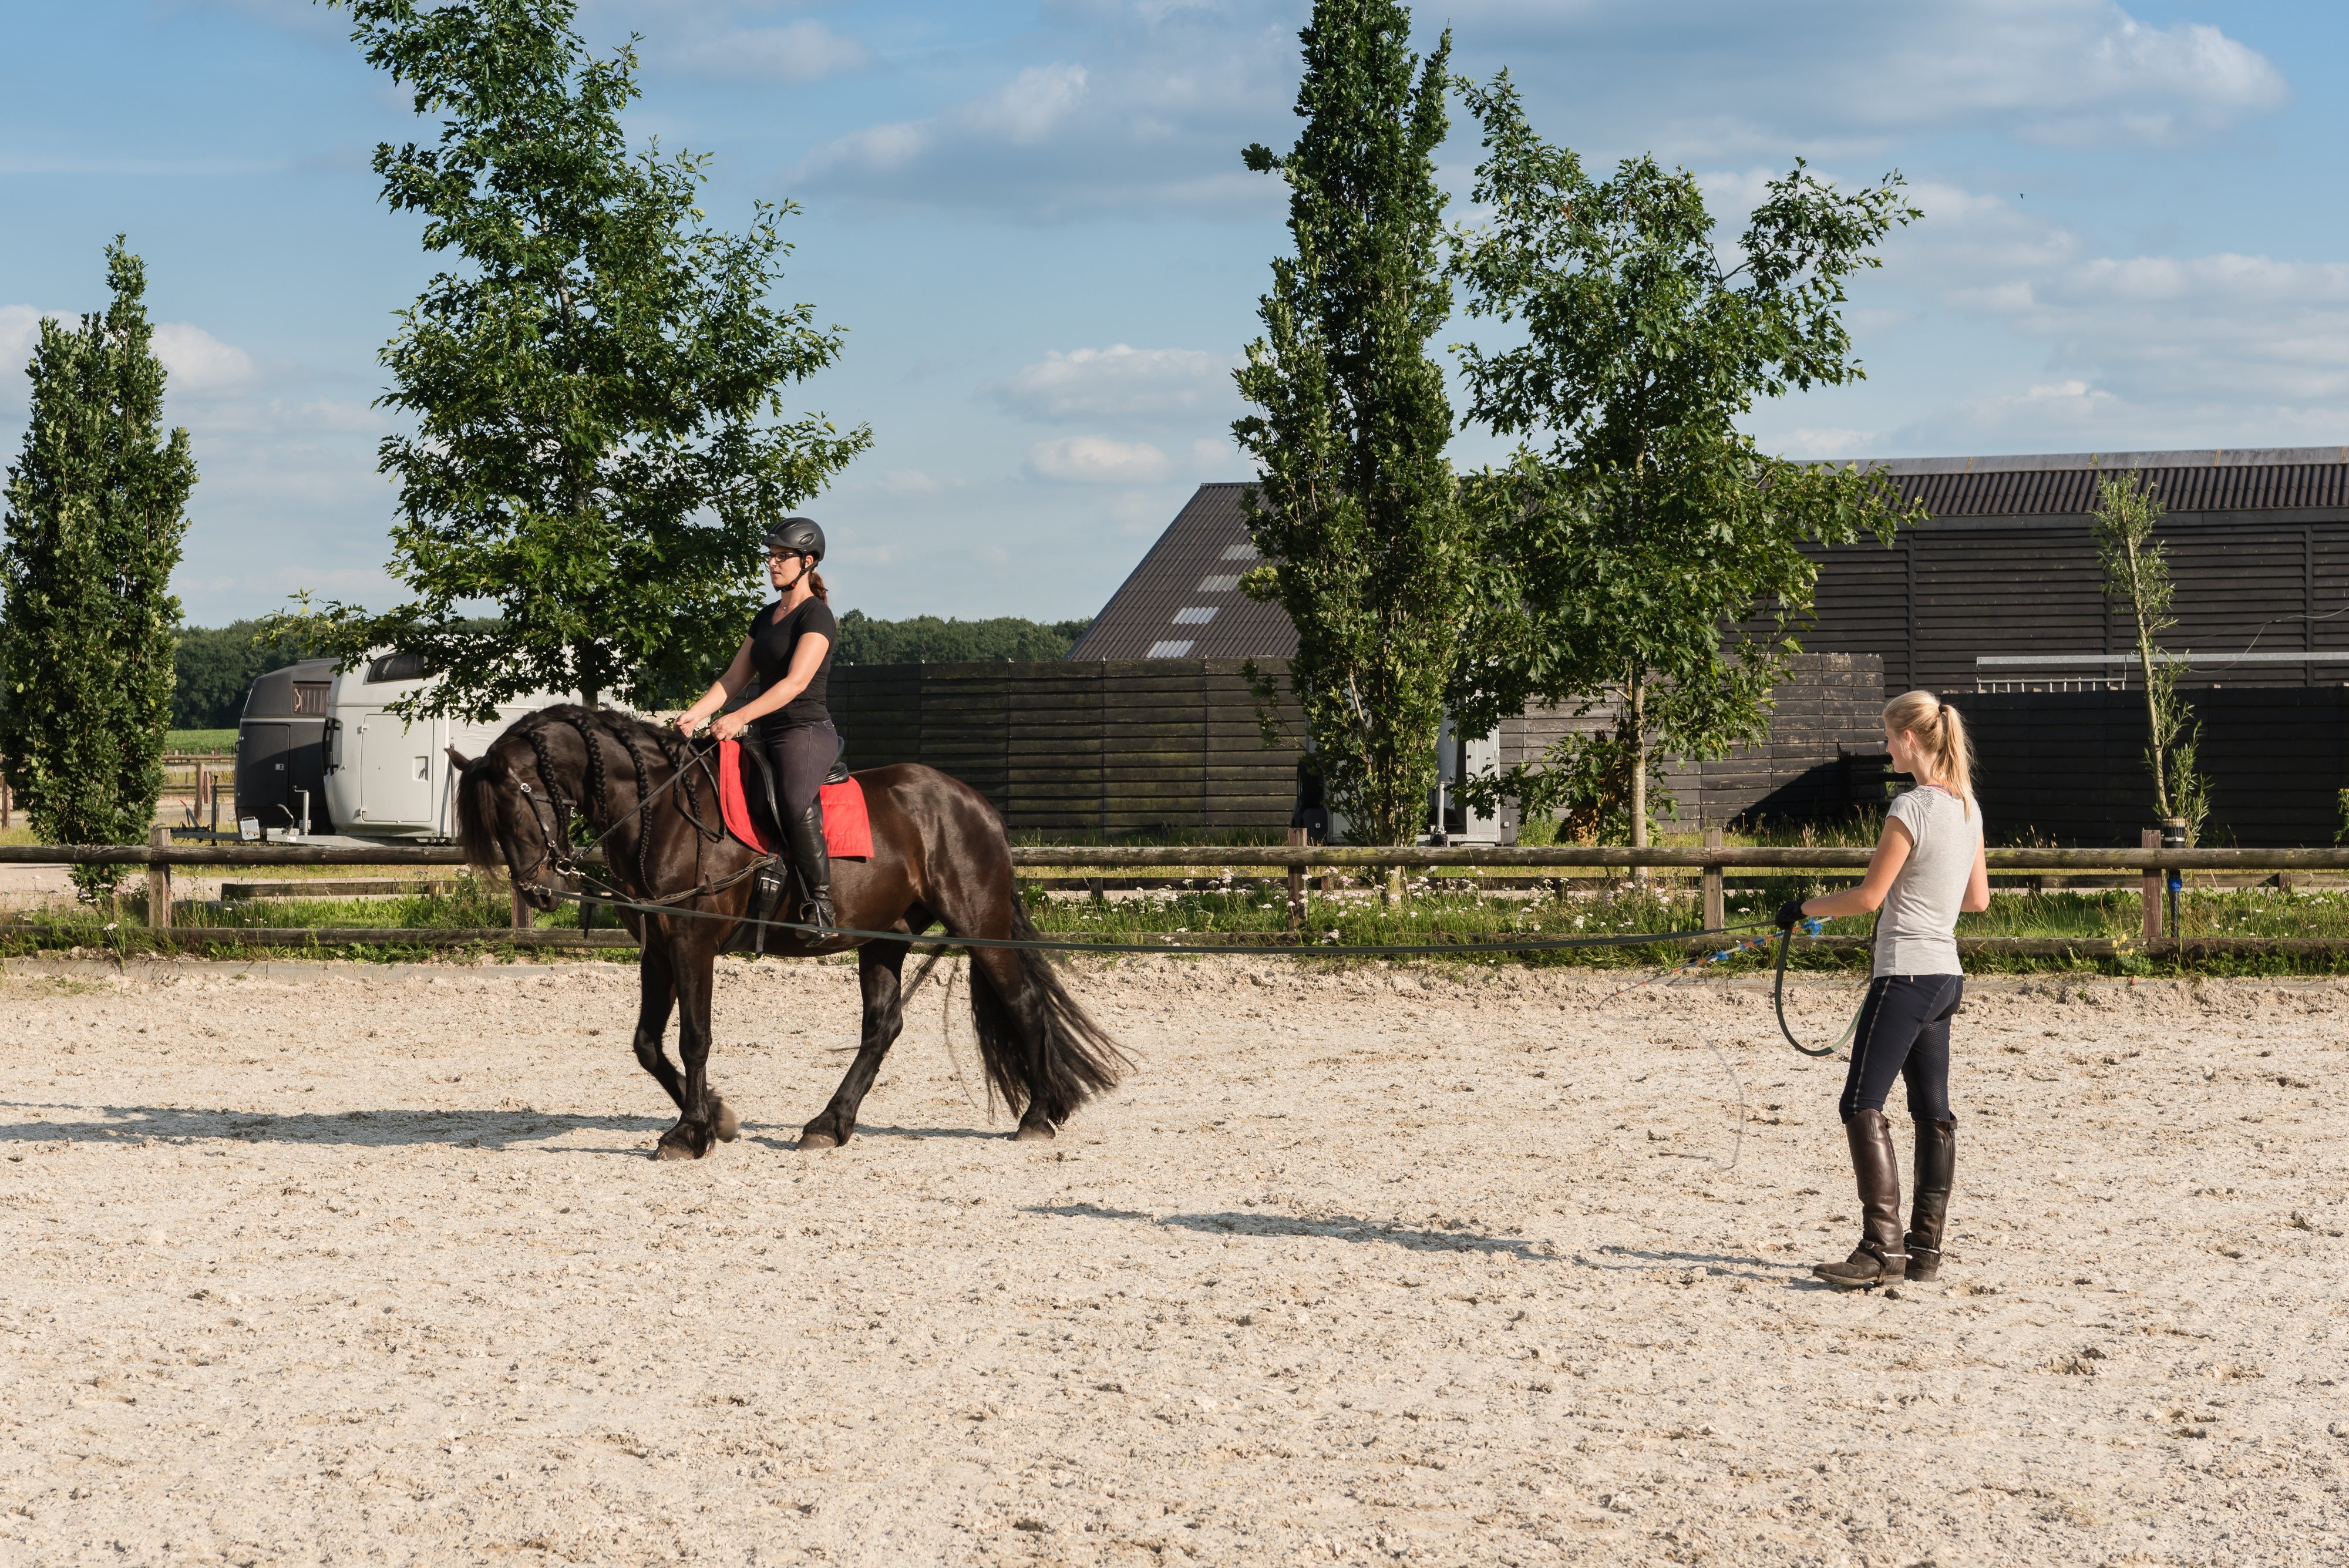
(1033,221)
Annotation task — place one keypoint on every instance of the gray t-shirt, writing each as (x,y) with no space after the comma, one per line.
(1914,934)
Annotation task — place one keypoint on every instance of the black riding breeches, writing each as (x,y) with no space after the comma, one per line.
(801,756)
(1904,1032)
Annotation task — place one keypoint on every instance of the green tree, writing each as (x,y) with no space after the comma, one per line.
(2137,578)
(1637,546)
(1357,513)
(599,434)
(215,668)
(926,640)
(96,508)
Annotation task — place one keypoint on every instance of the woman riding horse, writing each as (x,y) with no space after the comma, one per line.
(685,884)
(790,650)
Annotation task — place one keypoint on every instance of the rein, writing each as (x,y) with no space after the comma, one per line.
(1778,999)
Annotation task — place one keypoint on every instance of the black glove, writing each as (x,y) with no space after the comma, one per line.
(1790,914)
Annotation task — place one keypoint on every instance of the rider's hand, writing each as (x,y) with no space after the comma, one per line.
(686,723)
(726,726)
(1790,914)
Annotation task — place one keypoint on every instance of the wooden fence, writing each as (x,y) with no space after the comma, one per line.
(1299,863)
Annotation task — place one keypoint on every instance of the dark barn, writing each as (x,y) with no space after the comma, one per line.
(1996,602)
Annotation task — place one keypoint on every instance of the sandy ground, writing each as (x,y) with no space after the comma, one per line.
(337,1264)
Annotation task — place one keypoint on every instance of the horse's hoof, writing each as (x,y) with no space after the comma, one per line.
(665,1150)
(813,1140)
(1042,1133)
(730,1125)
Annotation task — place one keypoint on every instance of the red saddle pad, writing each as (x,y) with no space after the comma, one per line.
(847,830)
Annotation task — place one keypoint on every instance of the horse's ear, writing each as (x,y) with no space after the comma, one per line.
(457,759)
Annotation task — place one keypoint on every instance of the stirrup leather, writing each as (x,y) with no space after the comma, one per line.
(767,891)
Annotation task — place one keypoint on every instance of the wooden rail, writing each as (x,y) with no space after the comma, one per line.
(1220,858)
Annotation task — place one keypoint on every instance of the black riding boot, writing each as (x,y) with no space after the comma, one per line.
(1937,1162)
(1879,1258)
(814,862)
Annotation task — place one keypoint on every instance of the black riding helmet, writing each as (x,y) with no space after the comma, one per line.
(796,536)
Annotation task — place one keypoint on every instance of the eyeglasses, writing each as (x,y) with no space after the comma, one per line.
(778,558)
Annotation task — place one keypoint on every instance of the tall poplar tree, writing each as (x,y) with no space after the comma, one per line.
(596,383)
(1356,513)
(96,508)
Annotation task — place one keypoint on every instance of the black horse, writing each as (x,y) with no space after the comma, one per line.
(938,856)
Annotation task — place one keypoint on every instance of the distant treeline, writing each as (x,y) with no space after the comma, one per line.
(926,640)
(217,665)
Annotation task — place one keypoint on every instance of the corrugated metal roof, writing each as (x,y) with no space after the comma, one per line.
(1184,600)
(2064,484)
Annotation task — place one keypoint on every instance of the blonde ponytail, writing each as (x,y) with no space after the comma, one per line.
(1941,731)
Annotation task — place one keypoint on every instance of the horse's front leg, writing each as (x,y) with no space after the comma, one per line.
(656,996)
(702,1117)
(879,967)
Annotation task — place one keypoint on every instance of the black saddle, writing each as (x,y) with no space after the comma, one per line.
(758,787)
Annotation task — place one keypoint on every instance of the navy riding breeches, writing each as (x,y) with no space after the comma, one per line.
(1903,1031)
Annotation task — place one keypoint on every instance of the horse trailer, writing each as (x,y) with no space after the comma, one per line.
(319,752)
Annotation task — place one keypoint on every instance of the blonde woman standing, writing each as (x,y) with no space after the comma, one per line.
(1928,868)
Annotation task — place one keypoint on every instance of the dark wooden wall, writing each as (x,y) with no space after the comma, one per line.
(1108,747)
(1957,587)
(2069,767)
(1154,745)
(1830,711)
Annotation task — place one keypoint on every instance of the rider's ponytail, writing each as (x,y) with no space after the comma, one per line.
(815,583)
(1936,726)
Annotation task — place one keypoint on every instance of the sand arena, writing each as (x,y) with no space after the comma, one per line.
(348,1264)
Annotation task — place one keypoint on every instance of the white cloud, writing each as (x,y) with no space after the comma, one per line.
(908,482)
(1098,460)
(1723,77)
(1118,383)
(196,362)
(1139,109)
(798,51)
(199,363)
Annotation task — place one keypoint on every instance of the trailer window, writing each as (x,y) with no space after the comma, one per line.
(396,666)
(309,697)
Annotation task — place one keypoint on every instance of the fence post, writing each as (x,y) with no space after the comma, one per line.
(1716,914)
(197,810)
(159,882)
(1297,837)
(2151,839)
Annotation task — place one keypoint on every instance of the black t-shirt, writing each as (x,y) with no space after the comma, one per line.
(772,643)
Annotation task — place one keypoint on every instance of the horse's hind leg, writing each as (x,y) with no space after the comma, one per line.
(879,971)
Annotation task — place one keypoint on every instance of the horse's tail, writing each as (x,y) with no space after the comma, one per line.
(1068,1056)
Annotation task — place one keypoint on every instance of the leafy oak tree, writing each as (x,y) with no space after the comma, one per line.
(596,382)
(1357,513)
(96,508)
(1638,547)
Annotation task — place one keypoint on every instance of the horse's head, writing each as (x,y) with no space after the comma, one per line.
(504,817)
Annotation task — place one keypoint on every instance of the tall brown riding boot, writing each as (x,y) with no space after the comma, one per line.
(1937,1162)
(1879,1258)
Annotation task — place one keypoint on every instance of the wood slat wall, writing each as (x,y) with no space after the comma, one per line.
(2069,767)
(1111,747)
(1963,587)
(1831,709)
